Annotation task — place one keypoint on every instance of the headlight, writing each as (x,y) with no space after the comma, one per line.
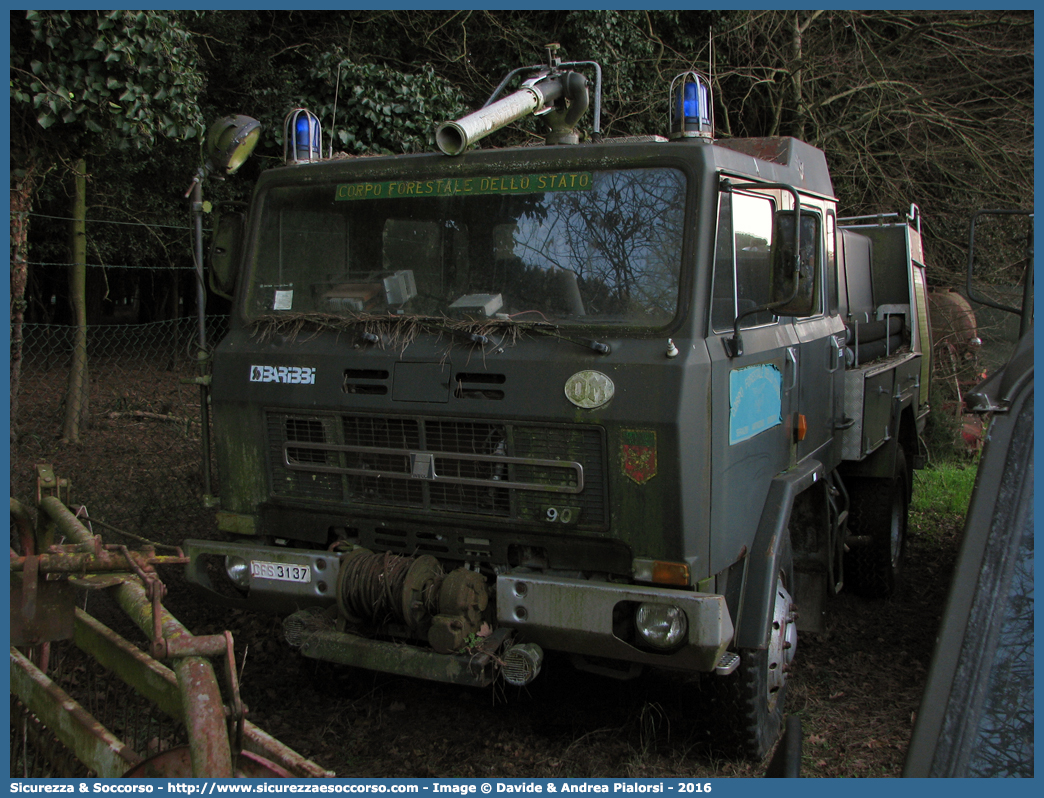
(662,626)
(238,571)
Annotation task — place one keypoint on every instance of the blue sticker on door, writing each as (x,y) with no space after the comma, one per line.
(755,401)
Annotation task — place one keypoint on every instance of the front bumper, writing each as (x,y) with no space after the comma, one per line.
(206,572)
(575,616)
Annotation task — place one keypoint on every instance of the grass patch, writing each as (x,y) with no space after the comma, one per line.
(944,488)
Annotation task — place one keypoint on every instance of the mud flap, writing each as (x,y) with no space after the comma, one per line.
(786,762)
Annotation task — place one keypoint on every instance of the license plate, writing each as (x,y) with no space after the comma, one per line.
(282,571)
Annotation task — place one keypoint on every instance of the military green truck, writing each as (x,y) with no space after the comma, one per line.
(645,402)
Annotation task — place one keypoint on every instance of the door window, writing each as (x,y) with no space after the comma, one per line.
(743,260)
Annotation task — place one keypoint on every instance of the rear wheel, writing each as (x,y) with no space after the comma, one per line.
(749,701)
(877,522)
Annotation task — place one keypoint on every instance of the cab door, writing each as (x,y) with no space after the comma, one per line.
(753,394)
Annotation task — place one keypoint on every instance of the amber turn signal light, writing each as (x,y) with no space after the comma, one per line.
(800,427)
(670,573)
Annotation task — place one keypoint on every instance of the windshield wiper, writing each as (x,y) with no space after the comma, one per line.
(454,328)
(547,328)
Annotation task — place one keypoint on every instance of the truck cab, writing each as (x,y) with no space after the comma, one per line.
(599,398)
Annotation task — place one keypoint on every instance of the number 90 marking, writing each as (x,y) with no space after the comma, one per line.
(561,515)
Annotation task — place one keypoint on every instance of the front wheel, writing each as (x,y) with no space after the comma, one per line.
(877,522)
(749,716)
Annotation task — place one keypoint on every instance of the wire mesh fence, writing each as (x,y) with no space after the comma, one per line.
(139,461)
(36,751)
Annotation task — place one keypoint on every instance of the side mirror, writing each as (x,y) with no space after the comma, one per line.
(799,299)
(226,248)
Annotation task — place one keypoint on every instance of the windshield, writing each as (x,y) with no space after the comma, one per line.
(567,248)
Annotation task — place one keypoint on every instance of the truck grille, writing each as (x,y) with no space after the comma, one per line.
(485,468)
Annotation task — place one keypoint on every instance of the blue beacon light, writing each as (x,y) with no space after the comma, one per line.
(302,137)
(691,113)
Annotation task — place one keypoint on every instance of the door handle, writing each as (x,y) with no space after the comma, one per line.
(834,350)
(791,355)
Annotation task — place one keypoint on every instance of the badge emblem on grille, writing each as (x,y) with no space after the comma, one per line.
(638,448)
(422,465)
(589,389)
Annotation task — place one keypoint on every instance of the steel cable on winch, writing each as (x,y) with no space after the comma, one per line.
(373,586)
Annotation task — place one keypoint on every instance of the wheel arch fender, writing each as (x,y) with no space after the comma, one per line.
(768,551)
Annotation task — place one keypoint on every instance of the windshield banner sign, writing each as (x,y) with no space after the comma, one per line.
(466,186)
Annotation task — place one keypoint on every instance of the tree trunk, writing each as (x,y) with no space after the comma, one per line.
(76,397)
(21,202)
(797,71)
(797,77)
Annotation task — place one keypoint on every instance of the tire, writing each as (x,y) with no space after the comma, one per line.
(748,703)
(877,518)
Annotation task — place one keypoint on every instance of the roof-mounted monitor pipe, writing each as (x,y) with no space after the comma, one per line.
(553,90)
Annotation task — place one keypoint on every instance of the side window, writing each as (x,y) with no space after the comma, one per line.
(743,260)
(831,263)
(805,299)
